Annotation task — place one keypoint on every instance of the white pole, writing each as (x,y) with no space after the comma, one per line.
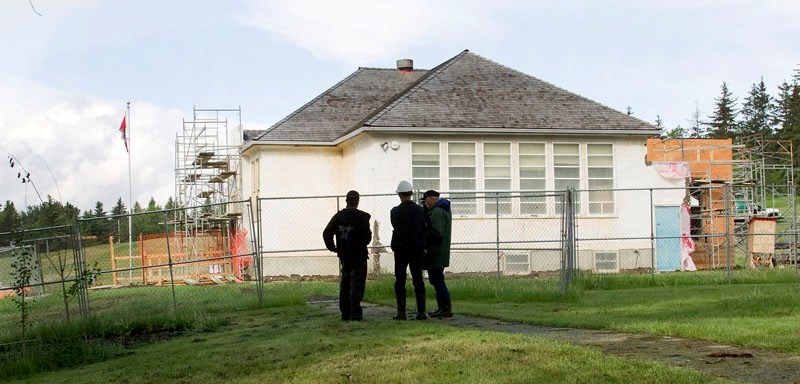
(130,198)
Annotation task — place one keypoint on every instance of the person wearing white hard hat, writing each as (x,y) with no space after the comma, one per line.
(408,245)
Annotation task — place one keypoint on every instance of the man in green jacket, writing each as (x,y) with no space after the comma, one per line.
(437,258)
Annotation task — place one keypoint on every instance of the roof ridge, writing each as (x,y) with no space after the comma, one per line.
(306,105)
(405,93)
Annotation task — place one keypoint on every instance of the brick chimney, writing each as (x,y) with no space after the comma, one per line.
(405,65)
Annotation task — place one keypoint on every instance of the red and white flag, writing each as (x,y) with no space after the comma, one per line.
(122,128)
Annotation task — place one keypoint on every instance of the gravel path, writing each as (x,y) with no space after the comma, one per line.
(727,361)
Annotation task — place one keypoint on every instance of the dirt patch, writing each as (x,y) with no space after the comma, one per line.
(719,360)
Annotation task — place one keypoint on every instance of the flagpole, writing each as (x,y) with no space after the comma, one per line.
(130,196)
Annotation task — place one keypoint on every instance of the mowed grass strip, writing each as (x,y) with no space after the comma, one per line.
(301,344)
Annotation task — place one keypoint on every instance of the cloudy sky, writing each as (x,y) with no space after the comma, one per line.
(65,76)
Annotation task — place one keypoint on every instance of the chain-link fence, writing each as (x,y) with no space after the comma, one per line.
(169,261)
(494,244)
(683,229)
(219,256)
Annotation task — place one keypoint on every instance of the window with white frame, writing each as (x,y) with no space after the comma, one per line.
(497,177)
(600,177)
(532,178)
(566,170)
(425,166)
(255,178)
(461,177)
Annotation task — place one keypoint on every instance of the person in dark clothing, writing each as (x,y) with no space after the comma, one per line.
(437,258)
(350,228)
(408,245)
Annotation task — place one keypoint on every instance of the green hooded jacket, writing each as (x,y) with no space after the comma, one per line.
(437,235)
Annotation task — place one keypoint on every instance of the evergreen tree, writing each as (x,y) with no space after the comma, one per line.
(9,220)
(676,132)
(723,120)
(71,212)
(696,129)
(758,112)
(101,227)
(788,112)
(120,224)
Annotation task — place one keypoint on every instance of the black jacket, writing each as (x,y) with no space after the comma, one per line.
(350,226)
(408,221)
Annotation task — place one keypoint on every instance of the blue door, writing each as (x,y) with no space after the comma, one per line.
(668,238)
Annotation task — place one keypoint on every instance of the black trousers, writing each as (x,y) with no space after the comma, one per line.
(413,261)
(351,287)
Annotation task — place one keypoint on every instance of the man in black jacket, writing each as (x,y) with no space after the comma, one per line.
(408,245)
(350,227)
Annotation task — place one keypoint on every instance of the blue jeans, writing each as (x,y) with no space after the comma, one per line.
(436,277)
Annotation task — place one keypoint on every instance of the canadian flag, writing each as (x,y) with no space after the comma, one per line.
(122,128)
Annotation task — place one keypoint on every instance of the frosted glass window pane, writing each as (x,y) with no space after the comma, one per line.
(497,160)
(565,149)
(601,173)
(560,161)
(462,160)
(498,185)
(599,149)
(424,172)
(532,185)
(532,161)
(563,184)
(497,148)
(531,148)
(567,173)
(532,173)
(462,172)
(422,147)
(461,148)
(498,172)
(426,184)
(425,159)
(462,185)
(601,161)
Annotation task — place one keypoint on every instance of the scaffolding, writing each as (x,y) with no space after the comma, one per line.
(732,183)
(766,187)
(207,179)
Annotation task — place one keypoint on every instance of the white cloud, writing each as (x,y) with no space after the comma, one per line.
(76,136)
(356,32)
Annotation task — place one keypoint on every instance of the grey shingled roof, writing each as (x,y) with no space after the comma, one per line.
(467,91)
(340,108)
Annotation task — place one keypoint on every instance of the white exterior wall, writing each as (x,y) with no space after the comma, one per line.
(362,164)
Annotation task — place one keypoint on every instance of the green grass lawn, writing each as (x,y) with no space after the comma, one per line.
(221,334)
(300,344)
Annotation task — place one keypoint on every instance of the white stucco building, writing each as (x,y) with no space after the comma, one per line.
(466,127)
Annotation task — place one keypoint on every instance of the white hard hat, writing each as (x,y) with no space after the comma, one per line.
(404,186)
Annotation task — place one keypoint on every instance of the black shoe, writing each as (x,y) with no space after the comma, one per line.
(345,318)
(400,317)
(421,316)
(356,318)
(441,313)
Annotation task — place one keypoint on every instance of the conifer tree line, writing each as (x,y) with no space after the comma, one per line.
(99,223)
(759,113)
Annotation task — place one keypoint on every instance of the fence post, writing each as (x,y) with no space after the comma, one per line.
(169,261)
(255,224)
(568,246)
(497,229)
(653,260)
(80,270)
(728,243)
